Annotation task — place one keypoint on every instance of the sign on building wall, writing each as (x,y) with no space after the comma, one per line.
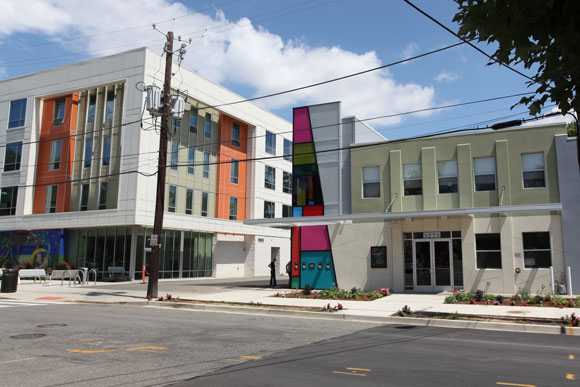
(378,256)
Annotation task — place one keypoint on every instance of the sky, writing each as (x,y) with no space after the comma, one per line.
(258,47)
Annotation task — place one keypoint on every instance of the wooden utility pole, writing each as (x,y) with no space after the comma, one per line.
(152,287)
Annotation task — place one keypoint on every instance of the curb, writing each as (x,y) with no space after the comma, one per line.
(424,322)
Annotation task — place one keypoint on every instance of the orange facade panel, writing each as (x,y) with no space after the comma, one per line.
(232,146)
(55,154)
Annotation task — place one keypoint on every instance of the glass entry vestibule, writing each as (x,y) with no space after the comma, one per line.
(433,261)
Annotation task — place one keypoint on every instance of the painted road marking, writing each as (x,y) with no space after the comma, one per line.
(251,357)
(348,373)
(516,384)
(147,349)
(98,351)
(14,361)
(353,371)
(358,369)
(570,376)
(571,357)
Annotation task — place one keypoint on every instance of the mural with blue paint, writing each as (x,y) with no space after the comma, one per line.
(32,248)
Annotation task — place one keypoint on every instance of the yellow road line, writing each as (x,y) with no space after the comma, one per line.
(251,357)
(570,376)
(347,373)
(515,384)
(98,351)
(147,349)
(571,357)
(358,369)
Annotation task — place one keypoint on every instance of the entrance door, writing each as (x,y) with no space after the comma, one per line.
(433,265)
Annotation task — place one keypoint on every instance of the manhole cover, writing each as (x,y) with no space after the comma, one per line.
(405,327)
(28,336)
(52,325)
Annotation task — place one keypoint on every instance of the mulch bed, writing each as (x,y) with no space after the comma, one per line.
(246,305)
(521,303)
(487,318)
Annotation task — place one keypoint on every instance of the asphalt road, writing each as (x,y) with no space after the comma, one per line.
(111,345)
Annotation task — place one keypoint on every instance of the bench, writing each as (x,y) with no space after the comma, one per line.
(61,275)
(32,273)
(116,273)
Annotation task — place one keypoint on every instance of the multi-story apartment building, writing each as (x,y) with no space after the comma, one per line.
(78,181)
(490,210)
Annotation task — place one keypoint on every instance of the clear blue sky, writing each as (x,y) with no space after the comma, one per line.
(255,47)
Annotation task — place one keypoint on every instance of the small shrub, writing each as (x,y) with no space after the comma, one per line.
(574,320)
(454,316)
(548,298)
(404,311)
(354,291)
(499,298)
(450,300)
(523,294)
(479,295)
(307,290)
(488,297)
(168,297)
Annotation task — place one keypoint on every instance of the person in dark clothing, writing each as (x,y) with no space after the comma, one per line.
(272,267)
(289,272)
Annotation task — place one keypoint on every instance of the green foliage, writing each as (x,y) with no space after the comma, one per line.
(522,294)
(542,35)
(450,300)
(572,129)
(488,297)
(535,300)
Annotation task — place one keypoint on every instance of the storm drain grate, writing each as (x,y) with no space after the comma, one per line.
(28,336)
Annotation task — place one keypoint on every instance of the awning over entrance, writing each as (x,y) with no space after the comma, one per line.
(382,216)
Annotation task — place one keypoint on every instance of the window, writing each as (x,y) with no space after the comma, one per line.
(269,209)
(206,164)
(234,171)
(190,160)
(189,201)
(488,251)
(51,195)
(270,177)
(176,127)
(412,179)
(8,197)
(207,128)
(286,211)
(17,113)
(287,182)
(270,143)
(174,154)
(193,121)
(92,108)
(58,118)
(287,150)
(447,171)
(537,252)
(103,195)
(110,107)
(204,203)
(233,208)
(371,182)
(484,172)
(533,170)
(84,197)
(236,134)
(106,150)
(88,152)
(55,150)
(172,198)
(13,156)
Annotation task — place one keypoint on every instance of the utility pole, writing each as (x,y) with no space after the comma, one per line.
(152,286)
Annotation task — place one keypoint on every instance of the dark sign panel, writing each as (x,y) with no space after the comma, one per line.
(378,256)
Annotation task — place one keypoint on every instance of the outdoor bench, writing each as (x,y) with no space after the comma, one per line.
(116,273)
(32,273)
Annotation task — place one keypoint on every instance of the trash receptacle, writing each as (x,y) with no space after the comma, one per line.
(9,281)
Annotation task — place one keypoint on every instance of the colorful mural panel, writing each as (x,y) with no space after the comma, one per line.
(32,248)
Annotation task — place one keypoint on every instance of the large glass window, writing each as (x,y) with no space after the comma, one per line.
(233,208)
(484,172)
(447,171)
(488,251)
(174,154)
(205,164)
(172,198)
(533,170)
(193,121)
(59,107)
(8,196)
(270,143)
(110,107)
(234,171)
(287,150)
(88,152)
(13,156)
(207,127)
(51,196)
(17,113)
(412,179)
(106,150)
(235,134)
(204,203)
(189,201)
(269,177)
(103,195)
(190,160)
(84,205)
(286,182)
(269,209)
(55,151)
(286,211)
(537,251)
(371,179)
(92,108)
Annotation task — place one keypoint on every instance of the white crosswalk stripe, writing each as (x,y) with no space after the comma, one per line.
(16,303)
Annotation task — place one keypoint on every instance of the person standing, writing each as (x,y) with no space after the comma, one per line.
(289,272)
(272,267)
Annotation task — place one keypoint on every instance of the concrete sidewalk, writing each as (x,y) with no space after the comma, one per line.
(254,290)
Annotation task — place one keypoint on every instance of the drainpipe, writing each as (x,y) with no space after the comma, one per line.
(569,280)
(501,195)
(395,196)
(552,279)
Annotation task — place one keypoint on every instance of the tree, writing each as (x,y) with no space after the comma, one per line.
(543,35)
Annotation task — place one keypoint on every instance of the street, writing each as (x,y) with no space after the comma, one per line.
(107,345)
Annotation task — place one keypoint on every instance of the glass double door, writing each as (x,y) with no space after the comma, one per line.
(433,268)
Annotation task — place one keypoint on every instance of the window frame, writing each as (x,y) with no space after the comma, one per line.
(109,109)
(286,211)
(103,192)
(365,183)
(439,177)
(233,215)
(88,161)
(174,158)
(524,171)
(10,209)
(206,157)
(477,251)
(287,182)
(234,167)
(106,157)
(485,174)
(55,155)
(189,201)
(57,120)
(236,137)
(84,197)
(191,160)
(530,251)
(172,198)
(91,108)
(287,150)
(267,183)
(193,113)
(51,199)
(207,126)
(405,180)
(270,148)
(20,121)
(272,205)
(13,165)
(204,204)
